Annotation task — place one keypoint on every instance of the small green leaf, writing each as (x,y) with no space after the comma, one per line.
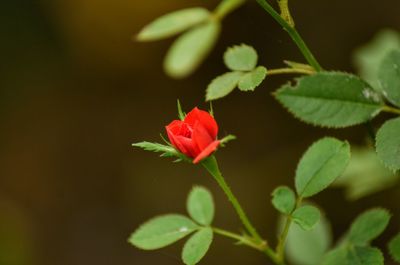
(165,150)
(368,226)
(389,77)
(284,199)
(189,50)
(394,248)
(181,114)
(222,85)
(331,99)
(388,144)
(227,139)
(162,231)
(306,216)
(173,23)
(364,255)
(369,57)
(365,175)
(309,247)
(200,205)
(322,163)
(253,79)
(241,58)
(197,246)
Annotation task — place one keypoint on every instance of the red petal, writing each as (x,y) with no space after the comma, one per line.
(206,152)
(187,144)
(200,136)
(205,119)
(173,129)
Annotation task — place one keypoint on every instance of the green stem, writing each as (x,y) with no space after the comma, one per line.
(391,109)
(248,242)
(226,7)
(241,239)
(292,33)
(279,71)
(211,165)
(280,248)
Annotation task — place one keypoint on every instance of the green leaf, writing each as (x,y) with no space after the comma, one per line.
(306,216)
(200,205)
(173,23)
(241,58)
(351,255)
(223,85)
(253,79)
(365,175)
(389,77)
(369,57)
(309,247)
(197,246)
(368,226)
(190,49)
(284,199)
(162,231)
(165,150)
(322,163)
(331,99)
(364,256)
(388,144)
(394,248)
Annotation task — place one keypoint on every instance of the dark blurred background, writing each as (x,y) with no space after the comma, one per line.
(76,91)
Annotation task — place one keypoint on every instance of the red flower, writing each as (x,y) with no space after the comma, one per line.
(195,136)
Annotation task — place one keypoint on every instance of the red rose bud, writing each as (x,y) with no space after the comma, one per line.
(195,136)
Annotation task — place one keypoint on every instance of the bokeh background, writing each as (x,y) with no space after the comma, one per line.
(76,91)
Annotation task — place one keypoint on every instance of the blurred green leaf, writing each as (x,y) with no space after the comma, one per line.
(389,77)
(306,217)
(284,199)
(354,255)
(394,248)
(200,205)
(251,80)
(364,255)
(308,247)
(368,226)
(241,58)
(365,175)
(369,57)
(162,231)
(322,163)
(388,143)
(173,23)
(197,246)
(336,256)
(190,49)
(222,85)
(331,99)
